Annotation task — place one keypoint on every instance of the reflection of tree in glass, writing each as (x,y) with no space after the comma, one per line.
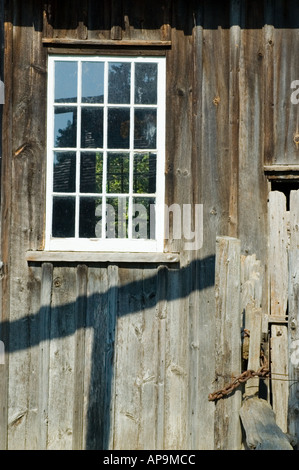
(146,83)
(117,217)
(67,137)
(144,173)
(118,173)
(91,172)
(143,217)
(119,82)
(145,128)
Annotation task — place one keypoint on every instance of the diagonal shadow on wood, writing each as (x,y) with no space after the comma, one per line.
(100,312)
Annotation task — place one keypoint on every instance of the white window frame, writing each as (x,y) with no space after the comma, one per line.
(108,244)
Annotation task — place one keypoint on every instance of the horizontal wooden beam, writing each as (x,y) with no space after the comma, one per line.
(105,42)
(101,257)
(281,168)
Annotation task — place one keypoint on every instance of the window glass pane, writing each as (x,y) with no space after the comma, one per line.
(66,82)
(119,82)
(145,128)
(92,127)
(118,173)
(118,128)
(64,172)
(65,126)
(117,217)
(91,174)
(63,222)
(144,173)
(92,82)
(90,222)
(143,221)
(146,83)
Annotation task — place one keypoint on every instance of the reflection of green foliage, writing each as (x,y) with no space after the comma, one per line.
(144,173)
(143,220)
(118,173)
(99,172)
(117,217)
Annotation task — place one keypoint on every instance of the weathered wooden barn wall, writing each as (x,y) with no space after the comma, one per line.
(121,355)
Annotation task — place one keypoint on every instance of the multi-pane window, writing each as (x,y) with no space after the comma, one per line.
(106,145)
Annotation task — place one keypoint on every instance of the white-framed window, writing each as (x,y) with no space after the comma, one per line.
(105,153)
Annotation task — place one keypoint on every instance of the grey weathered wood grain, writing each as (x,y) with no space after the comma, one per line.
(262,432)
(6,196)
(101,257)
(228,341)
(80,320)
(228,113)
(293,341)
(294,220)
(254,324)
(62,359)
(278,275)
(44,353)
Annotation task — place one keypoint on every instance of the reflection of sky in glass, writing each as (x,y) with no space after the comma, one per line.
(92,82)
(65,81)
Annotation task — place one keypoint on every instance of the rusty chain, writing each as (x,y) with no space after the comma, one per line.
(262,372)
(242,378)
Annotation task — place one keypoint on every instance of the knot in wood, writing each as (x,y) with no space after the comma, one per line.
(57,282)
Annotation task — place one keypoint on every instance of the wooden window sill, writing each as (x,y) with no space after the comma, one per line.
(101,257)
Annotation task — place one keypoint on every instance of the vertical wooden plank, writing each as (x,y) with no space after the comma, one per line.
(162,275)
(6,197)
(254,324)
(80,318)
(130,327)
(278,275)
(97,344)
(62,359)
(25,211)
(294,220)
(148,378)
(228,341)
(293,340)
(110,356)
(252,195)
(203,170)
(279,374)
(200,413)
(278,261)
(293,318)
(234,109)
(44,352)
(269,95)
(33,422)
(177,362)
(286,70)
(137,366)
